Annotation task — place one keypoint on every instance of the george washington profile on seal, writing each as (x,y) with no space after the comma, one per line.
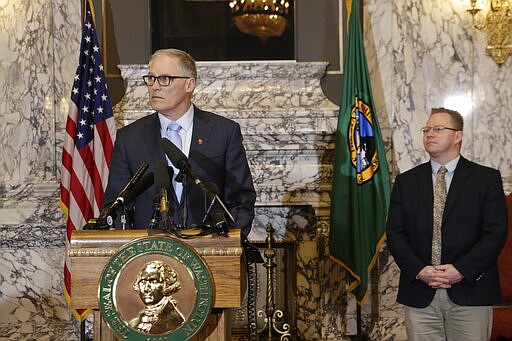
(155,285)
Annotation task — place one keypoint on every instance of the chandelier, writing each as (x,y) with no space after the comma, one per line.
(261,18)
(496,21)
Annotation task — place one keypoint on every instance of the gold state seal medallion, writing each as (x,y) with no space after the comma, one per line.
(155,288)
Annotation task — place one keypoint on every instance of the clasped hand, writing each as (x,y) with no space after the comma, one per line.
(440,276)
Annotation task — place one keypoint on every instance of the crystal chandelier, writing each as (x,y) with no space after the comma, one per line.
(496,21)
(261,18)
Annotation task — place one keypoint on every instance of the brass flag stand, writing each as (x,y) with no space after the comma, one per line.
(272,317)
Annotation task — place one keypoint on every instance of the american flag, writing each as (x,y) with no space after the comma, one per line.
(88,141)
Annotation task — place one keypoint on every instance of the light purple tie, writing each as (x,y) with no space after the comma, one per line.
(173,133)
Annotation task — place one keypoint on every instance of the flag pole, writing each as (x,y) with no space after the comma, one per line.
(360,335)
(82,321)
(358,321)
(82,330)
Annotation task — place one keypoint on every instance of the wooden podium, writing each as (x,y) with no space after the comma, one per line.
(90,251)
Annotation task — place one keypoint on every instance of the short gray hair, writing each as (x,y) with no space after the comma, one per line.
(187,63)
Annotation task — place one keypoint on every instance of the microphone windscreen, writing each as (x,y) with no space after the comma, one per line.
(173,153)
(135,178)
(211,187)
(140,187)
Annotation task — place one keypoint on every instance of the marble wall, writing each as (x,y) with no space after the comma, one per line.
(39,43)
(425,54)
(421,54)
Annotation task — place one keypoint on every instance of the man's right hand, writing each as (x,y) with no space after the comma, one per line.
(434,278)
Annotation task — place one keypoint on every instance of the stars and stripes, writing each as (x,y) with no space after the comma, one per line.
(88,141)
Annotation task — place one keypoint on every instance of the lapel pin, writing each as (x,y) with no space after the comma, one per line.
(200,141)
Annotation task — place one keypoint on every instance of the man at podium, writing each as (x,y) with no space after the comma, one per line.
(212,143)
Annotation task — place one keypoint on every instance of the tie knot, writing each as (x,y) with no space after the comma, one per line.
(442,171)
(174,126)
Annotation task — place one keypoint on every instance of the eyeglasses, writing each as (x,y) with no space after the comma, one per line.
(163,80)
(436,129)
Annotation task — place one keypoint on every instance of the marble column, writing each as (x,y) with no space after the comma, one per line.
(39,43)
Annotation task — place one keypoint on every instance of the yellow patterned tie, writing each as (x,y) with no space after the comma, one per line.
(439,200)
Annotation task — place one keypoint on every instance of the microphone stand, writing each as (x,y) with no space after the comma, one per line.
(122,216)
(164,211)
(208,212)
(182,206)
(216,198)
(155,216)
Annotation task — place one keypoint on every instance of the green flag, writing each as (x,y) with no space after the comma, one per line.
(361,187)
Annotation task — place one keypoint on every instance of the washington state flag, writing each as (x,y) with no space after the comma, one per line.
(361,187)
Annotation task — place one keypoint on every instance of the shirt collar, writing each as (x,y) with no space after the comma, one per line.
(185,121)
(450,166)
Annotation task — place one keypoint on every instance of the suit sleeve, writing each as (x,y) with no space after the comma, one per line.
(492,208)
(120,171)
(239,192)
(398,238)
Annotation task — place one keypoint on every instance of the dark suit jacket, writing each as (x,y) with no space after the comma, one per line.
(474,231)
(216,155)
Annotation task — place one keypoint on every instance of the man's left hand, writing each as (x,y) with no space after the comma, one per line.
(449,272)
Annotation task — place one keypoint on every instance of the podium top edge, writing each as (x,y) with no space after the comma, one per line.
(117,238)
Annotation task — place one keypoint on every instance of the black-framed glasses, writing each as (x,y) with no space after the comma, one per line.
(436,129)
(163,80)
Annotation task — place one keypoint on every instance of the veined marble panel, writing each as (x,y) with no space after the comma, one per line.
(29,51)
(242,89)
(30,204)
(437,59)
(33,306)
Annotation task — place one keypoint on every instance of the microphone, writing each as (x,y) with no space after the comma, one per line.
(140,187)
(219,223)
(162,182)
(157,198)
(217,216)
(211,188)
(218,219)
(180,161)
(155,216)
(107,216)
(120,200)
